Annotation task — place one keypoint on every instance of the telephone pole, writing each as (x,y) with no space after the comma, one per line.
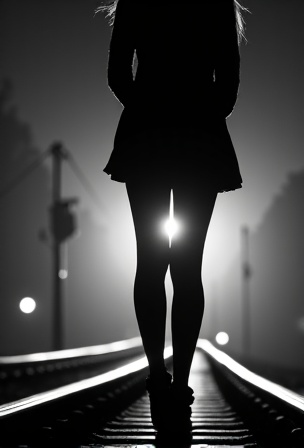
(63,226)
(58,154)
(246,275)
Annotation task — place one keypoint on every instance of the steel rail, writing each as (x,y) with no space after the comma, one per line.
(78,386)
(289,397)
(74,353)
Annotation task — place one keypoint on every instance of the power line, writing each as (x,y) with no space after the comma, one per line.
(85,182)
(25,173)
(75,167)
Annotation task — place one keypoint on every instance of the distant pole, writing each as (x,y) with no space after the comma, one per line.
(57,156)
(246,274)
(215,310)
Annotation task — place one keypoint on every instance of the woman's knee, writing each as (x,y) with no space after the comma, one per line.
(152,267)
(185,277)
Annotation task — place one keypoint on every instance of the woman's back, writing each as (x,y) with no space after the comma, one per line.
(179,49)
(174,50)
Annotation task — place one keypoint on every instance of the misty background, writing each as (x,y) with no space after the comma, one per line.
(54,88)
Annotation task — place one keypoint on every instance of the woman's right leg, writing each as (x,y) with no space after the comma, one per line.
(193,207)
(149,201)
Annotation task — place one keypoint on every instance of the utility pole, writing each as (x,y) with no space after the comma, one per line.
(63,226)
(246,275)
(58,154)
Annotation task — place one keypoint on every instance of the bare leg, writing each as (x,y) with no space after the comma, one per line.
(150,207)
(193,207)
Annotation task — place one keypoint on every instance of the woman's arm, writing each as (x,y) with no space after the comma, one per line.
(227,65)
(122,47)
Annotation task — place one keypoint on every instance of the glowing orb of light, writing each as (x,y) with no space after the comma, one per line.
(63,274)
(222,338)
(27,305)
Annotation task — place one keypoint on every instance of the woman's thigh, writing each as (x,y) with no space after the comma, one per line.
(193,206)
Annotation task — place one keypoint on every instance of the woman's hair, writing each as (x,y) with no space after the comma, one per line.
(240,22)
(109,7)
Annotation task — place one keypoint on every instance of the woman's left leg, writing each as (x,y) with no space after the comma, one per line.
(149,201)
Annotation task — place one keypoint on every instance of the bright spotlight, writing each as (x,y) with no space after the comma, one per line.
(222,338)
(171,225)
(27,305)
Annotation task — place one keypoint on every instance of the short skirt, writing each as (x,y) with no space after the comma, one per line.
(173,149)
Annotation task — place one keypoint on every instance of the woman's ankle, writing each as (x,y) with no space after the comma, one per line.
(180,383)
(158,371)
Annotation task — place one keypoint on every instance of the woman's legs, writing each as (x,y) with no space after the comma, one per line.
(149,201)
(193,207)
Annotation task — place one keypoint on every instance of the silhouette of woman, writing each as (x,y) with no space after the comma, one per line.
(172,135)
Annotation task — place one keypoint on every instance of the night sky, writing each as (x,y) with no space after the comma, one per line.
(55,53)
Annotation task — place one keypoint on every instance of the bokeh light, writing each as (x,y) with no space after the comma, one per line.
(63,274)
(222,338)
(27,305)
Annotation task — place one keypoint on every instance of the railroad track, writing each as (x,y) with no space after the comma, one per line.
(25,375)
(233,407)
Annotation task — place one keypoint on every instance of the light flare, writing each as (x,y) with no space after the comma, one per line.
(27,305)
(63,274)
(171,225)
(222,338)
